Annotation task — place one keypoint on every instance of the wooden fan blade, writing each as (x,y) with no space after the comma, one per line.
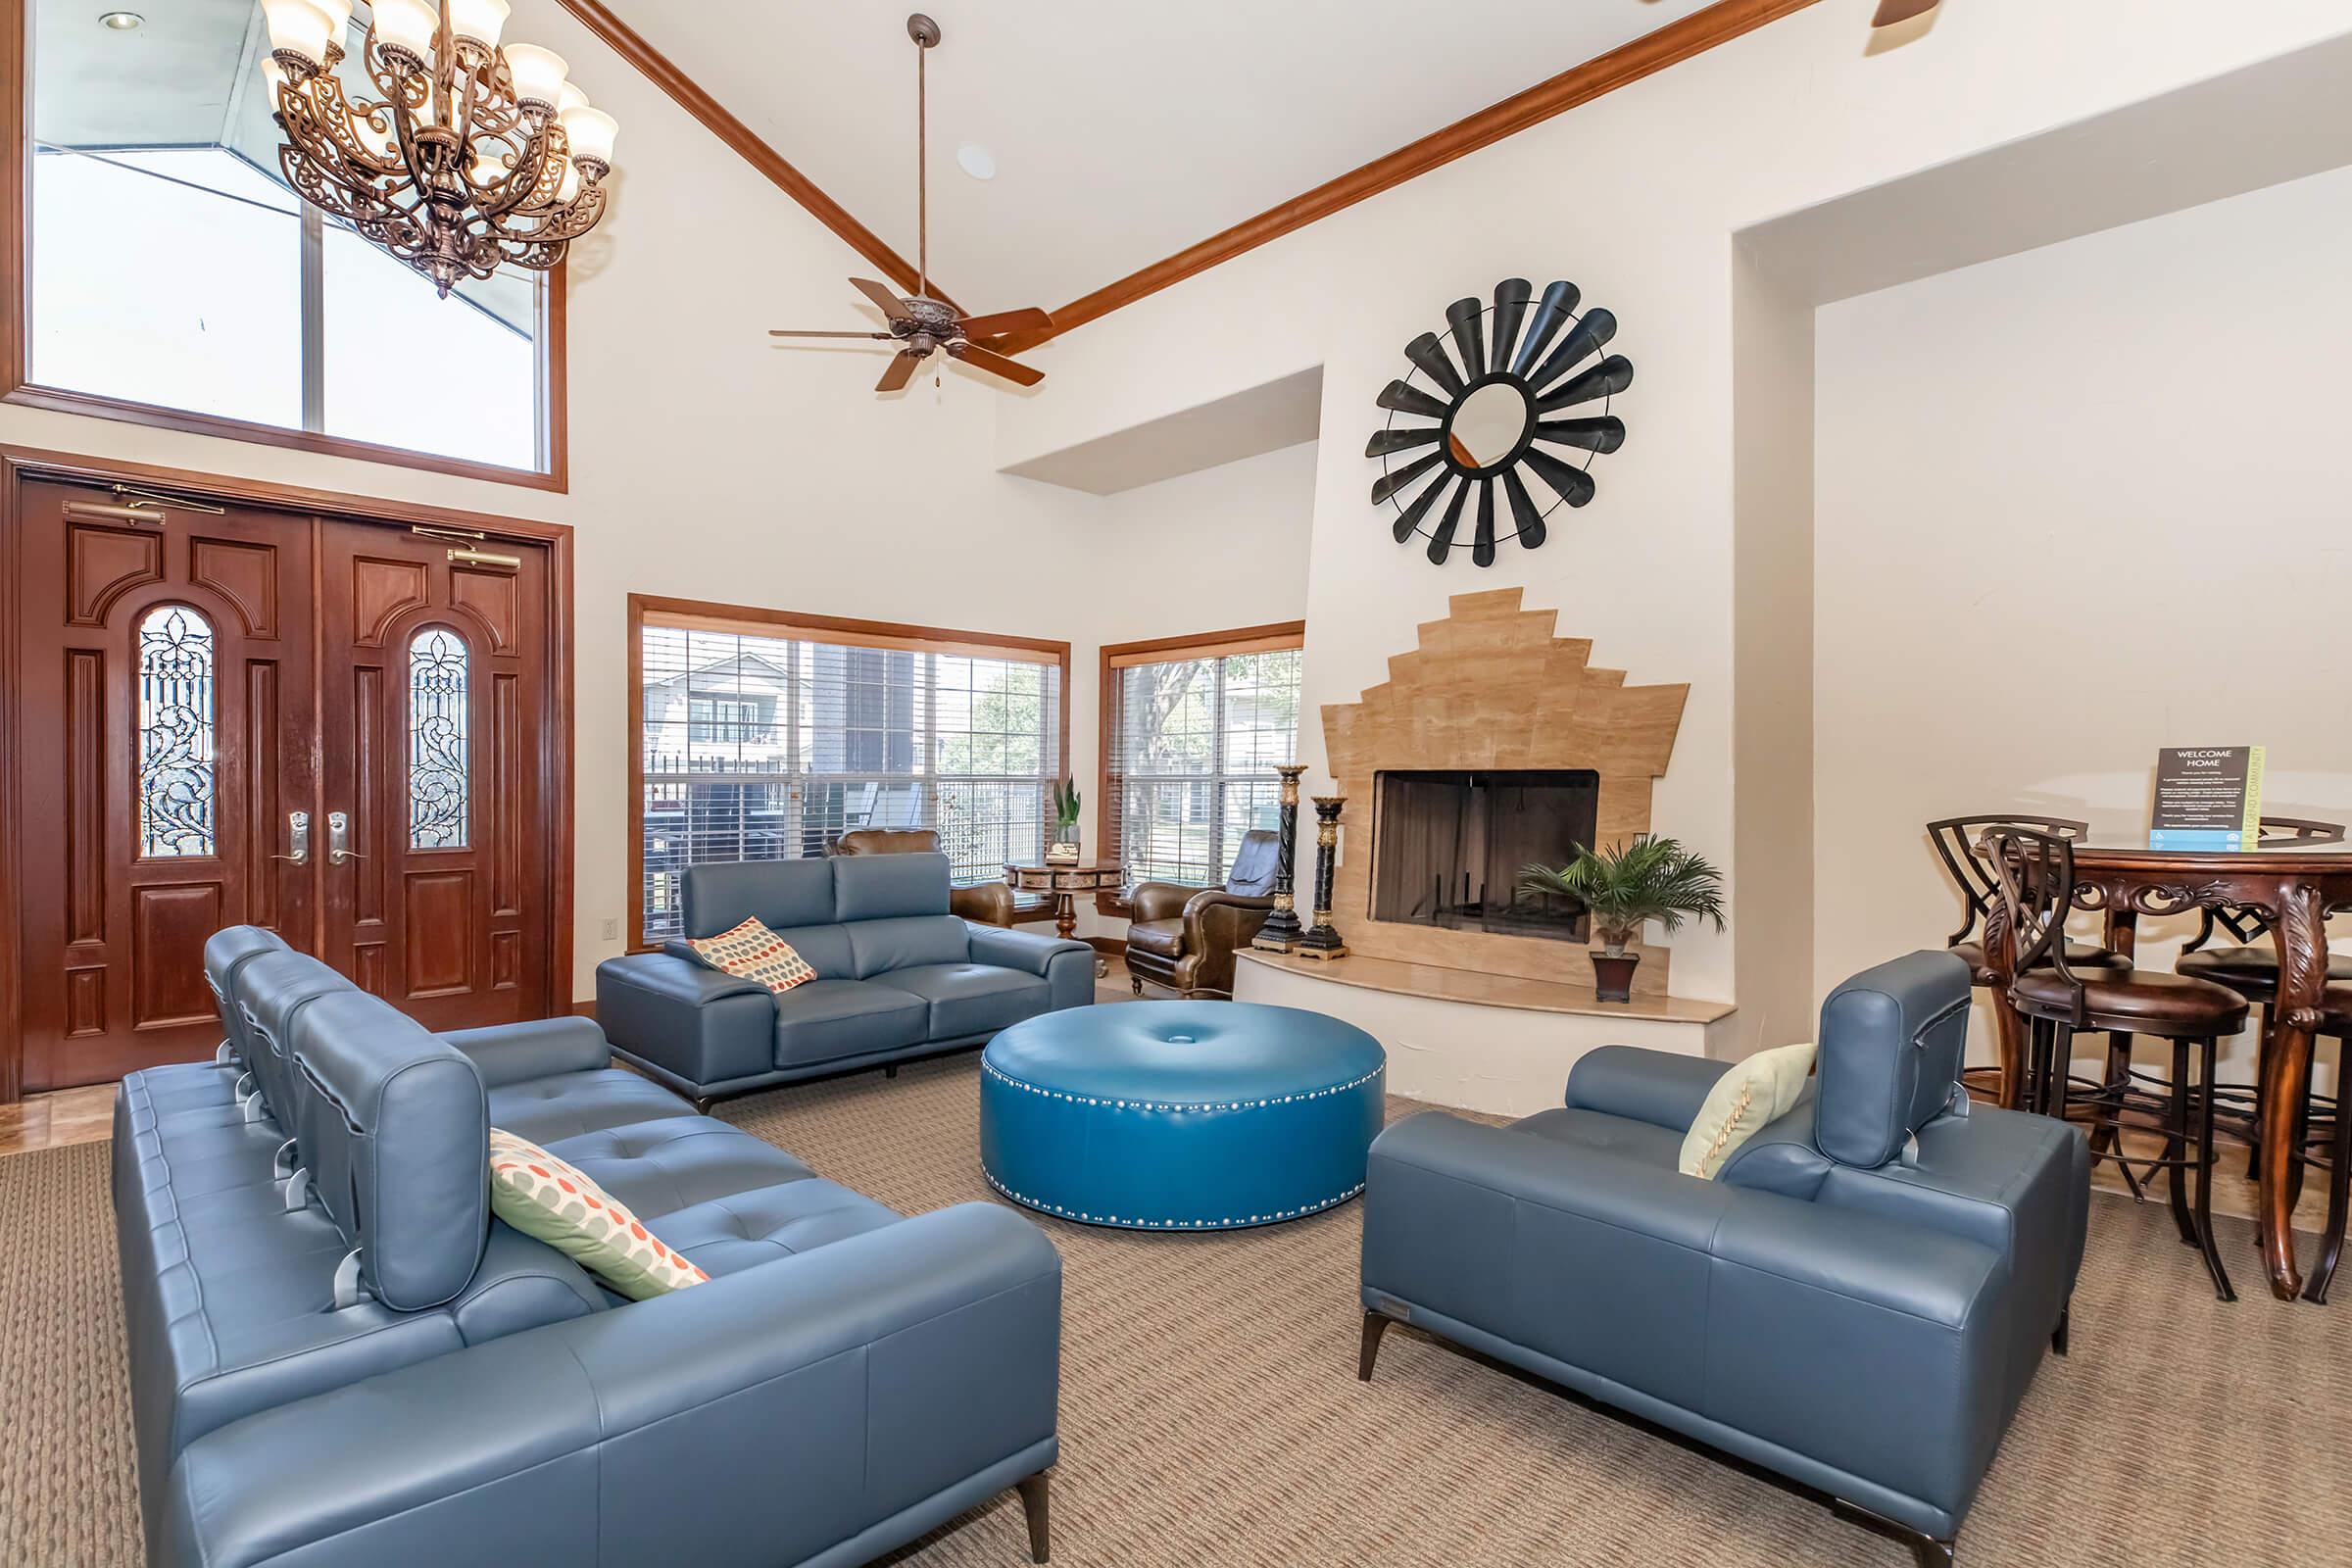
(890,305)
(995,364)
(1004,321)
(777,331)
(902,371)
(1892,12)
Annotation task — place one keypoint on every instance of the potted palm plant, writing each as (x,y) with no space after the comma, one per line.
(1646,879)
(1065,848)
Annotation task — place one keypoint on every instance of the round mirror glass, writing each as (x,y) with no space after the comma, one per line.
(1487,424)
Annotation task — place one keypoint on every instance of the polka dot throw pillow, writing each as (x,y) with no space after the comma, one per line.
(541,1196)
(752,952)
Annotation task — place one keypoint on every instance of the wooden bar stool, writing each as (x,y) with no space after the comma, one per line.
(2335,1023)
(1960,842)
(2035,875)
(2250,968)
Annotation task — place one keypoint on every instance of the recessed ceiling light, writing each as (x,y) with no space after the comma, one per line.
(121,20)
(977,161)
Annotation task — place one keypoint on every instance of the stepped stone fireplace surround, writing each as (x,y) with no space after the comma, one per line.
(1497,740)
(1493,742)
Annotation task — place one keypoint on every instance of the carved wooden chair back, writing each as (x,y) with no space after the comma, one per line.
(1960,842)
(2033,874)
(2247,924)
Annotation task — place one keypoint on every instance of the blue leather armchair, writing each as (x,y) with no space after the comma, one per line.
(1856,1304)
(897,977)
(338,1355)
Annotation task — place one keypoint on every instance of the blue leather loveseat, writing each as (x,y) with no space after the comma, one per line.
(1858,1301)
(897,976)
(339,1356)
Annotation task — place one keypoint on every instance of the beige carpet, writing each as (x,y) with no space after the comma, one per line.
(1211,1416)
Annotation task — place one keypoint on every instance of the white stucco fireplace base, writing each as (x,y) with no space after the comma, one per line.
(1497,1044)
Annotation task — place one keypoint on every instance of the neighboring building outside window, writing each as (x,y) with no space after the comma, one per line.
(756,747)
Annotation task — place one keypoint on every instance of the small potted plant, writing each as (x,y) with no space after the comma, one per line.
(1065,848)
(1647,879)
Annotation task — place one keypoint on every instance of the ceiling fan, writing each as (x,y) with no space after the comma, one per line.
(1892,12)
(921,322)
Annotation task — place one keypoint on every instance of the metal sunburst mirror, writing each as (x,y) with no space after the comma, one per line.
(1491,416)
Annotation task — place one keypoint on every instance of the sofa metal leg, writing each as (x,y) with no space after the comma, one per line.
(891,1071)
(1137,982)
(2058,1333)
(1375,1325)
(1925,1550)
(1037,1503)
(703,1104)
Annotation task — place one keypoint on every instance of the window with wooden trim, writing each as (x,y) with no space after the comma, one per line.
(768,739)
(1192,730)
(174,279)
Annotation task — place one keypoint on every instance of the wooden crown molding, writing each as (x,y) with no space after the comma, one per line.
(1622,67)
(1645,56)
(687,95)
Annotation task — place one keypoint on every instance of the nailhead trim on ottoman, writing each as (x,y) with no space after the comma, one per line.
(1180,1115)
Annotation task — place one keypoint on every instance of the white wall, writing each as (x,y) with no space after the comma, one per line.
(2074,506)
(1637,197)
(708,464)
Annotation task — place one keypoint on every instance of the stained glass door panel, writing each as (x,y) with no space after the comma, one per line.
(434,712)
(164,709)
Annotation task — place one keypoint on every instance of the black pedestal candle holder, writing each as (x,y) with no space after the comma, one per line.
(1321,940)
(1282,931)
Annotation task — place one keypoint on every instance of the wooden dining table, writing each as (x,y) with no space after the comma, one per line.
(2293,889)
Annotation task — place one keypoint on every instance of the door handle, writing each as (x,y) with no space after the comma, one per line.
(338,839)
(298,838)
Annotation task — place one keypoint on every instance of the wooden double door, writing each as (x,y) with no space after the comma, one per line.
(326,727)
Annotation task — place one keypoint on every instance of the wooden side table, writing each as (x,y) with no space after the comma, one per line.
(1063,882)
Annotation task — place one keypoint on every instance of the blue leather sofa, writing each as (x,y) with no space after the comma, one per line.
(897,976)
(339,1355)
(1855,1304)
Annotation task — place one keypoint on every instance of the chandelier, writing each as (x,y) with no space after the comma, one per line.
(471,157)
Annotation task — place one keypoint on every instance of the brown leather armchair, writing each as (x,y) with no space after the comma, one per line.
(1185,938)
(985,903)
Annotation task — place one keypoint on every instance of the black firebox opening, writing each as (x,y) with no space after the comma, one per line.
(1446,847)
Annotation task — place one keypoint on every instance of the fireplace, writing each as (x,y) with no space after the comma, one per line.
(1448,846)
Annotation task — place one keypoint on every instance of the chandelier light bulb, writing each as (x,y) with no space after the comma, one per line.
(297,29)
(568,187)
(538,75)
(338,20)
(478,20)
(408,26)
(591,132)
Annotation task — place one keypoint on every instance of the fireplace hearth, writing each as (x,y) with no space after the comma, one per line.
(1448,846)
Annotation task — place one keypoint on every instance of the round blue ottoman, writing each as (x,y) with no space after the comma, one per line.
(1180,1115)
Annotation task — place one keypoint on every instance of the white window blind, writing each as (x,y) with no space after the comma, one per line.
(767,748)
(1193,748)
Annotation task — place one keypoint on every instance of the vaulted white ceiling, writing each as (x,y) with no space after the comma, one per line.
(1122,131)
